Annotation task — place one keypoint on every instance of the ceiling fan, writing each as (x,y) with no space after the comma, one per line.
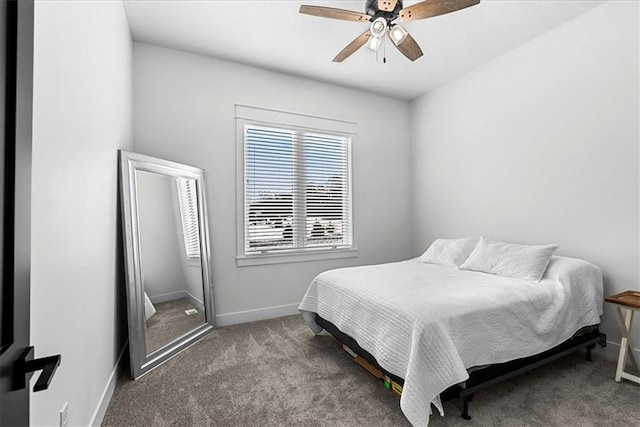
(383,15)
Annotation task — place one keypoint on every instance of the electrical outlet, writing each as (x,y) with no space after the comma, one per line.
(64,415)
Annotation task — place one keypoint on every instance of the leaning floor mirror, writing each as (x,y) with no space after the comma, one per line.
(166,241)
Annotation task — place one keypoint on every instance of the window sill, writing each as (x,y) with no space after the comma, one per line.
(243,260)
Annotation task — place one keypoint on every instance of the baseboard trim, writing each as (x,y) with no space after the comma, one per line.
(101,409)
(168,296)
(237,317)
(195,301)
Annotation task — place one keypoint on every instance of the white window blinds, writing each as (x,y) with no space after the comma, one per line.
(297,190)
(189,213)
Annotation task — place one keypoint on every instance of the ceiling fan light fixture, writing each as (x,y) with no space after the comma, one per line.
(397,34)
(378,27)
(374,43)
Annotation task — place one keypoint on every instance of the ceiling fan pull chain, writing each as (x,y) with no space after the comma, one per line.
(384,50)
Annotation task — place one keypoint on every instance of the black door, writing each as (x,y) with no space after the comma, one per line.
(16,74)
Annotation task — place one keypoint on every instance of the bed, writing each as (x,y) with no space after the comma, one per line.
(437,328)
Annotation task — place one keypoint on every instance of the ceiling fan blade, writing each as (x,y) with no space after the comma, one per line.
(360,41)
(409,47)
(333,13)
(387,5)
(429,8)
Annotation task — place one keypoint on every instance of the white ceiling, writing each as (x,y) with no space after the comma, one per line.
(273,35)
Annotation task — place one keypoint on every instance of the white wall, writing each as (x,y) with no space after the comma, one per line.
(540,146)
(161,247)
(193,281)
(82,116)
(184,111)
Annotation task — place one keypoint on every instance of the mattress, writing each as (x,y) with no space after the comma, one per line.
(428,323)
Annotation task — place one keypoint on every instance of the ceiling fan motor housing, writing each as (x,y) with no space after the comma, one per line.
(373,10)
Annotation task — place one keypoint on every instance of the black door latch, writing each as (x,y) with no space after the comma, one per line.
(26,365)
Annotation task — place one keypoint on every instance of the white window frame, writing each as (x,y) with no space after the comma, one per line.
(273,118)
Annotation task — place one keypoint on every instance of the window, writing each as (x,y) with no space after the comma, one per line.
(188,200)
(296,192)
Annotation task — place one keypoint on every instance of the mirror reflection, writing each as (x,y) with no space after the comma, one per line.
(169,257)
(166,247)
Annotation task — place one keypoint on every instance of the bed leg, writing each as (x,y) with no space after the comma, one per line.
(602,341)
(465,406)
(589,348)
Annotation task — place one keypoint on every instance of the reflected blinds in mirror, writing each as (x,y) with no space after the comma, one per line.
(189,212)
(297,193)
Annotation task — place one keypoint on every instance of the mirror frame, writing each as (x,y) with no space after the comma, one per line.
(129,163)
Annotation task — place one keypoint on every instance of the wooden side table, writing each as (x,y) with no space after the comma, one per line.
(628,301)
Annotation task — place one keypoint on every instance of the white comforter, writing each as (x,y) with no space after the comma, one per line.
(427,323)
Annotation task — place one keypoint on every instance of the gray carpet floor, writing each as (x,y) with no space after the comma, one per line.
(277,373)
(170,322)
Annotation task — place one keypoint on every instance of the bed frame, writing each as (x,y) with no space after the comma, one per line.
(489,375)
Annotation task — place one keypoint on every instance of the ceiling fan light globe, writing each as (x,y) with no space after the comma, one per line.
(397,34)
(374,43)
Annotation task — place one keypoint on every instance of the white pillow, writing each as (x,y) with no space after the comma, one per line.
(526,262)
(451,252)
